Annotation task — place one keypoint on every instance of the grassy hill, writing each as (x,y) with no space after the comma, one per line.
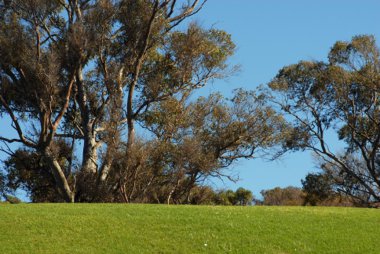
(118,228)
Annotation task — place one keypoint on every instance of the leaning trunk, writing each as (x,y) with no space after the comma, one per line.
(59,177)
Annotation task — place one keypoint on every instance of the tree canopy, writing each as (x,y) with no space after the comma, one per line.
(78,75)
(341,96)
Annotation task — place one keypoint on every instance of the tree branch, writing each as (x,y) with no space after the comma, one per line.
(24,140)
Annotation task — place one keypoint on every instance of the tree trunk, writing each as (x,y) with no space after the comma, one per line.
(106,167)
(89,163)
(172,191)
(130,120)
(90,153)
(59,176)
(170,196)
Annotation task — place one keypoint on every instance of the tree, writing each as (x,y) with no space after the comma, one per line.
(229,197)
(288,196)
(243,196)
(85,72)
(225,197)
(318,187)
(341,96)
(202,195)
(187,150)
(72,67)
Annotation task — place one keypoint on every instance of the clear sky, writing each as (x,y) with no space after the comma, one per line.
(270,34)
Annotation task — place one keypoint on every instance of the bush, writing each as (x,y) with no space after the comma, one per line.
(289,196)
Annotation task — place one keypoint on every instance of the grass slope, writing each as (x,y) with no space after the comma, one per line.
(117,228)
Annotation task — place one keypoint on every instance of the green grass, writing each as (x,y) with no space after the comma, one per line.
(118,228)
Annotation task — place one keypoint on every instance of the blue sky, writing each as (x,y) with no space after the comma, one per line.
(270,34)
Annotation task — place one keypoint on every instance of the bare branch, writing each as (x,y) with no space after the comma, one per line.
(23,139)
(65,106)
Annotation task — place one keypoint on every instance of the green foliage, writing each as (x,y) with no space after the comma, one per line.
(318,187)
(226,197)
(243,196)
(25,169)
(112,228)
(289,196)
(202,195)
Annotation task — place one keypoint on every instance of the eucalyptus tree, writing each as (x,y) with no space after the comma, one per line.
(195,141)
(341,95)
(81,70)
(78,75)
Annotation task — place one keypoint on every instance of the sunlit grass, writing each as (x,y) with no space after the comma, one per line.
(118,228)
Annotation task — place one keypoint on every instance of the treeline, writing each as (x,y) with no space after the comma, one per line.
(294,196)
(208,196)
(318,189)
